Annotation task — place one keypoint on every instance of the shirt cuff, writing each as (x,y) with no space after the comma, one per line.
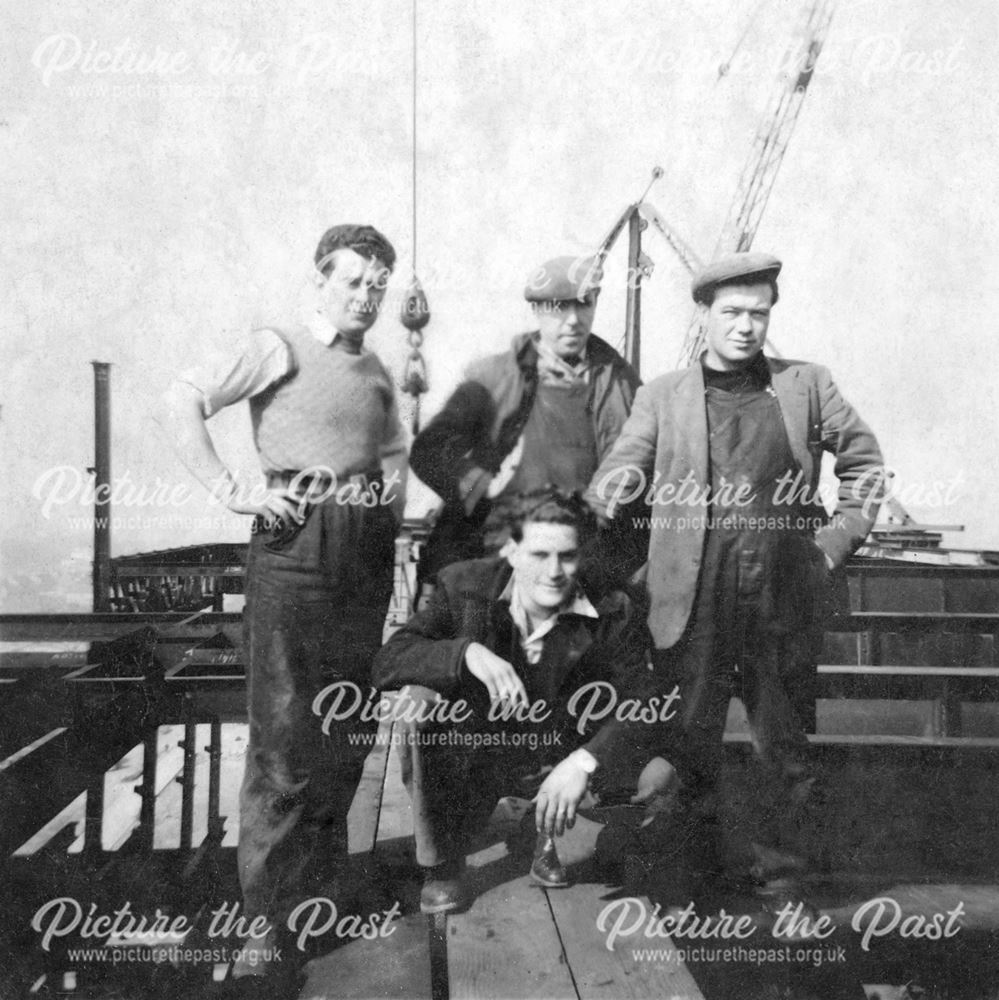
(584,759)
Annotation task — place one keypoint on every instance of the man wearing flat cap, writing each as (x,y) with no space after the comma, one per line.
(727,455)
(544,412)
(319,574)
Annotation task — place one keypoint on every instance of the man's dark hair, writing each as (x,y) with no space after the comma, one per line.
(363,240)
(550,505)
(707,295)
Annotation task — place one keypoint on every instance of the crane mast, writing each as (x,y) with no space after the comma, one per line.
(769,145)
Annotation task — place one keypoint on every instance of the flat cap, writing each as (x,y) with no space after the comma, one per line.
(563,278)
(734,267)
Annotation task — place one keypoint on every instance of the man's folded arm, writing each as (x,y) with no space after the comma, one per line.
(439,455)
(424,651)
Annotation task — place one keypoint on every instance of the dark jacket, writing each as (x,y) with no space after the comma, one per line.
(466,608)
(481,423)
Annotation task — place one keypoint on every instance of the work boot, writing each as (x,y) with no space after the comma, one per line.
(787,897)
(619,851)
(773,863)
(443,888)
(546,869)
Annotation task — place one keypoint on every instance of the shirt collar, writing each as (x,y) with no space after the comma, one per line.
(532,643)
(323,330)
(553,368)
(579,605)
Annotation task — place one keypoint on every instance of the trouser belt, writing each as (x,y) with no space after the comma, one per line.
(313,485)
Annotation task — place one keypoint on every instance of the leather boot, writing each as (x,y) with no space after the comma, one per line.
(546,869)
(443,888)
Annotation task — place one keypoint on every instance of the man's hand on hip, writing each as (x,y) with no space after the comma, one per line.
(499,677)
(272,504)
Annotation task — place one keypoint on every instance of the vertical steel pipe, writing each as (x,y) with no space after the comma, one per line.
(633,313)
(102,486)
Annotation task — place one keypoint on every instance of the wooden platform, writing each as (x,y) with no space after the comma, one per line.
(520,941)
(911,816)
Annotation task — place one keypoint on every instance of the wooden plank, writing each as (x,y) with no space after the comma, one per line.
(122,796)
(506,947)
(980,905)
(593,971)
(235,739)
(396,817)
(396,967)
(167,830)
(39,792)
(363,817)
(52,647)
(30,748)
(909,671)
(81,627)
(232,766)
(900,621)
(198,570)
(74,813)
(900,743)
(122,803)
(124,620)
(602,974)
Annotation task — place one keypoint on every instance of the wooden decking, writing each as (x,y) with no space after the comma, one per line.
(519,941)
(515,940)
(910,818)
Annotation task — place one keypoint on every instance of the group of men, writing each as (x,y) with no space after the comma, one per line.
(535,667)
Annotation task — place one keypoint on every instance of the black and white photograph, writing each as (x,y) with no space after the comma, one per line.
(499,500)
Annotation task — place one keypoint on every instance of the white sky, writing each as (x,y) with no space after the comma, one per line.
(154,215)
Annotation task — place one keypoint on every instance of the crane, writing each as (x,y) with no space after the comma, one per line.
(753,191)
(769,146)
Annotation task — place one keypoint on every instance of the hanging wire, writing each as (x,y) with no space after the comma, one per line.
(414,131)
(415,312)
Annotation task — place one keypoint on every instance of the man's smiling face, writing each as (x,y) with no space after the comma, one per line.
(545,566)
(352,293)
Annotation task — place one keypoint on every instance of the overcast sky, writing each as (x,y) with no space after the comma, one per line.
(168,170)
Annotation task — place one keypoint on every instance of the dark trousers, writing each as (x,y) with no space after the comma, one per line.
(317,598)
(733,647)
(454,786)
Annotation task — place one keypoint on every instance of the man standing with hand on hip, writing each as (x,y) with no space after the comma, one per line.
(320,571)
(728,453)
